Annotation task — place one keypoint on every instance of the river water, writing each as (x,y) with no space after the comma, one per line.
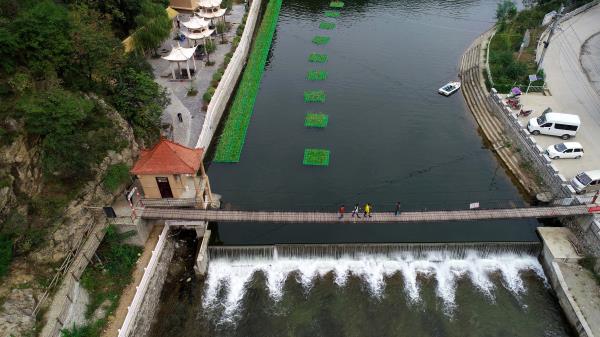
(392,138)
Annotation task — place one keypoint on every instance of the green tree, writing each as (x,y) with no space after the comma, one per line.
(153,25)
(506,10)
(140,101)
(43,32)
(94,49)
(8,50)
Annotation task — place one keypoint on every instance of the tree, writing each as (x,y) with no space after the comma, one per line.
(140,101)
(8,50)
(505,10)
(43,32)
(221,29)
(94,49)
(209,47)
(153,25)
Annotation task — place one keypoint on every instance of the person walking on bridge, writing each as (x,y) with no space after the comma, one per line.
(367,212)
(397,212)
(356,211)
(341,211)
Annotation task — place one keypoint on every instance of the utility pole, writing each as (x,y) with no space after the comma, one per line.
(546,43)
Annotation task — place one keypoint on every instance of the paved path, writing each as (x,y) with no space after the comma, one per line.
(571,88)
(325,217)
(581,284)
(190,107)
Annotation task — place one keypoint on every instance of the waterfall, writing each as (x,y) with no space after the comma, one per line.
(417,250)
(230,268)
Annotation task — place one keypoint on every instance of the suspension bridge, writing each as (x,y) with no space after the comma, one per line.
(378,217)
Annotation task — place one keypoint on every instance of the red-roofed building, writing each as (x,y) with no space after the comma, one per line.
(170,170)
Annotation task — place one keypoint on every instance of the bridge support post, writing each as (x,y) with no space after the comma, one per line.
(201,265)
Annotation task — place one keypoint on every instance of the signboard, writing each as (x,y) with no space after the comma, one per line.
(474,205)
(533,78)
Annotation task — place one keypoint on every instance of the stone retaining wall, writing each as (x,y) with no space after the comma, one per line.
(228,82)
(530,150)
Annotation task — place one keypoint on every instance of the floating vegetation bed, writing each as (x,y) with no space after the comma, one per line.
(320,39)
(317,58)
(327,25)
(332,14)
(316,157)
(316,120)
(316,75)
(314,96)
(336,4)
(233,136)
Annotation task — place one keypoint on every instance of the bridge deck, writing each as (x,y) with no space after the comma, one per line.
(379,217)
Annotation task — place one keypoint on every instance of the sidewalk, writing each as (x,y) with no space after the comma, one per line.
(188,131)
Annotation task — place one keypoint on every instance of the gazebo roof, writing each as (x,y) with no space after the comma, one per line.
(167,157)
(195,22)
(209,14)
(180,54)
(198,36)
(209,3)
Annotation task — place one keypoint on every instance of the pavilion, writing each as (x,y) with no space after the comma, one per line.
(197,29)
(181,54)
(210,9)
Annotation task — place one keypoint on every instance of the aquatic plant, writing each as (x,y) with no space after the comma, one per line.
(327,25)
(316,157)
(332,14)
(314,96)
(320,39)
(316,120)
(336,4)
(316,75)
(233,136)
(317,58)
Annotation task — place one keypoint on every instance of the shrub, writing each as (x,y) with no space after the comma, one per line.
(115,176)
(6,254)
(208,94)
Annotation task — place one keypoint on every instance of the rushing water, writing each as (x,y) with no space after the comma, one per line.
(391,136)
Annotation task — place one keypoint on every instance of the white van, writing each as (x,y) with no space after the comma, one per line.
(587,181)
(555,124)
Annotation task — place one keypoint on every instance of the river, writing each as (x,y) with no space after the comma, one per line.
(392,138)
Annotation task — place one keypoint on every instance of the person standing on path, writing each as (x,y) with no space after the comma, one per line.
(397,212)
(356,211)
(367,212)
(341,211)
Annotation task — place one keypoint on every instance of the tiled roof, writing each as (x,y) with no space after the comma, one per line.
(167,157)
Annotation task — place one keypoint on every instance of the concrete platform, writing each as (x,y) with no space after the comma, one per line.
(558,244)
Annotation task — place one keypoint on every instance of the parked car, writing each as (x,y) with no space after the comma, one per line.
(587,181)
(565,150)
(558,124)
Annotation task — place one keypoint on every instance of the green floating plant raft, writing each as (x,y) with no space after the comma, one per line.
(332,14)
(326,25)
(336,4)
(233,136)
(316,120)
(320,39)
(316,75)
(317,58)
(316,157)
(314,96)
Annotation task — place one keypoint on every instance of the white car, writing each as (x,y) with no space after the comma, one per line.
(565,150)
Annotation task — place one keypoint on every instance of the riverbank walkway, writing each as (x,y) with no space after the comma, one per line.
(383,217)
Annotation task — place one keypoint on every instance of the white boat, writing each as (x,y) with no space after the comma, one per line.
(449,88)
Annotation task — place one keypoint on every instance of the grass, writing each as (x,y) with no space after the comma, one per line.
(316,120)
(336,4)
(332,14)
(316,75)
(316,157)
(314,96)
(115,176)
(233,136)
(317,58)
(320,40)
(327,25)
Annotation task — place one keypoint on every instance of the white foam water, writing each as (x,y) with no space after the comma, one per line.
(231,275)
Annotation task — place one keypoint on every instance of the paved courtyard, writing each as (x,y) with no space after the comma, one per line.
(571,90)
(190,107)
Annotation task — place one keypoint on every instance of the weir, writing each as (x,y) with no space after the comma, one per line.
(459,250)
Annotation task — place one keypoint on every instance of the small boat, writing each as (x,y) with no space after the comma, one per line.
(449,88)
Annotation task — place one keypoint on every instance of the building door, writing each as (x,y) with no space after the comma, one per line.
(164,187)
